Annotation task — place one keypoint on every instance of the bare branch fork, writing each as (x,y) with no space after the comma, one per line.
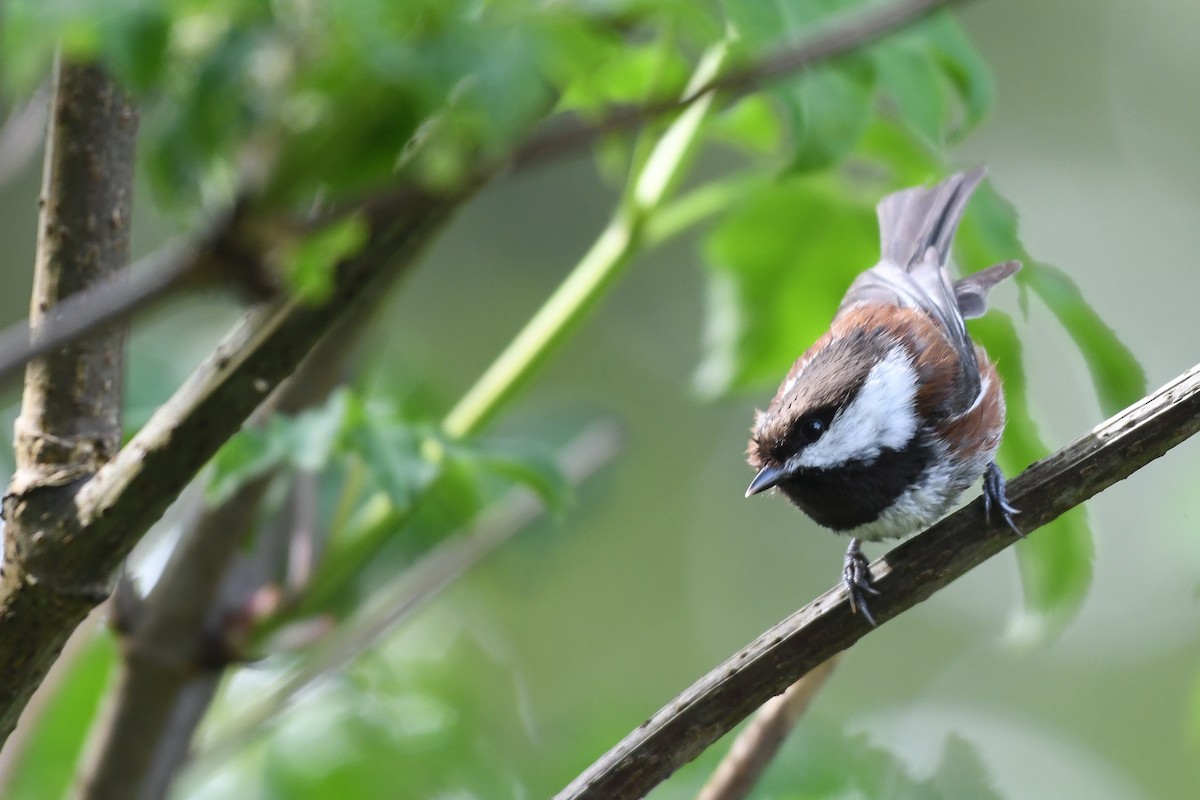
(910,573)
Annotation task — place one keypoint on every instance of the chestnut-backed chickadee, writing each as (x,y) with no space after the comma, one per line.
(881,425)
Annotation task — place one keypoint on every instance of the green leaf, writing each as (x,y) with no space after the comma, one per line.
(963,65)
(452,499)
(1056,561)
(394,453)
(989,235)
(772,22)
(910,78)
(779,264)
(312,261)
(306,441)
(312,437)
(829,109)
(523,464)
(1116,373)
(249,453)
(56,734)
(209,105)
(1056,573)
(630,73)
(134,44)
(827,106)
(752,124)
(30,33)
(893,149)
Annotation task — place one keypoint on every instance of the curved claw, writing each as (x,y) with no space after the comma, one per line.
(994,496)
(856,577)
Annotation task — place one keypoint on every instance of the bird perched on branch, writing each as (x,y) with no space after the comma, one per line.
(884,422)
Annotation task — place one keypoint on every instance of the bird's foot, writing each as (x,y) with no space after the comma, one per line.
(856,577)
(994,497)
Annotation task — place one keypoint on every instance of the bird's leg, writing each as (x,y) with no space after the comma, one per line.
(856,577)
(994,496)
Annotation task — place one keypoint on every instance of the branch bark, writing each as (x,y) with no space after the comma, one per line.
(910,573)
(70,421)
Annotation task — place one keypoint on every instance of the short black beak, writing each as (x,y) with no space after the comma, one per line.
(766,478)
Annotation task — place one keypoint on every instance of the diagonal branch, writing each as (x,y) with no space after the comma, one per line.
(910,573)
(845,34)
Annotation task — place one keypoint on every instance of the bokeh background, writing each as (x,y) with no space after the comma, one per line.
(545,655)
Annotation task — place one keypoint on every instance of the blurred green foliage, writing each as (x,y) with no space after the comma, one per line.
(297,102)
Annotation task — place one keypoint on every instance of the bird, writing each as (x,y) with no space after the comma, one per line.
(883,423)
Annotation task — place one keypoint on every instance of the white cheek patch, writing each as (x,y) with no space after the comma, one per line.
(882,416)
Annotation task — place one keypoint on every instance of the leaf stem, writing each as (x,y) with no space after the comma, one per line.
(604,262)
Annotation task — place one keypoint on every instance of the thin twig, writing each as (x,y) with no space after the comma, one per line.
(846,33)
(758,744)
(910,573)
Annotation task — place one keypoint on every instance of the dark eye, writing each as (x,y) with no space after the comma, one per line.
(812,428)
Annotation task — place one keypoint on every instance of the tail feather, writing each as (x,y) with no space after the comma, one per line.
(915,220)
(917,228)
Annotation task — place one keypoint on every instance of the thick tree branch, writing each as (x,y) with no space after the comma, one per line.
(910,573)
(70,420)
